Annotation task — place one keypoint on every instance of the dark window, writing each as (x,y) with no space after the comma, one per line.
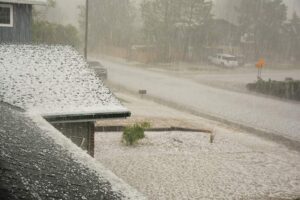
(5,15)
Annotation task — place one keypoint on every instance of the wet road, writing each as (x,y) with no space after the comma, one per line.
(266,114)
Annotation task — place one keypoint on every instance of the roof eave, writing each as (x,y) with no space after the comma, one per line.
(30,2)
(86,117)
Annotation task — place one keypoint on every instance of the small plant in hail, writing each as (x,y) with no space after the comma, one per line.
(132,134)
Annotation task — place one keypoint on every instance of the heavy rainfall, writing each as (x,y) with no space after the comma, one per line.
(150,99)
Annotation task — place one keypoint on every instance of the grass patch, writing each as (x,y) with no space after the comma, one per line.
(132,134)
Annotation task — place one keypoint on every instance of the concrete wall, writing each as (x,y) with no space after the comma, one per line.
(21,32)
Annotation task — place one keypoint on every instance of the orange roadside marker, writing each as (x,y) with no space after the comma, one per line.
(261,63)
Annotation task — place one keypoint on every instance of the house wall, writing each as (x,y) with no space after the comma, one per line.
(81,133)
(22,25)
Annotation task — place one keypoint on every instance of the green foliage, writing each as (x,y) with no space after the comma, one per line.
(175,24)
(51,3)
(264,19)
(110,23)
(132,134)
(39,13)
(283,89)
(51,33)
(183,29)
(292,41)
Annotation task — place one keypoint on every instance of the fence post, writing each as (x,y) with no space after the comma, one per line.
(212,137)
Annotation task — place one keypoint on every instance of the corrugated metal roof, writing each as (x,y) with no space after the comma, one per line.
(35,2)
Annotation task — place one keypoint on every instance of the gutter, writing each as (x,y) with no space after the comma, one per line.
(86,117)
(29,2)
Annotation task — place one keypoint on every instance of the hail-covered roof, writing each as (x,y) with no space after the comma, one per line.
(38,162)
(33,2)
(53,81)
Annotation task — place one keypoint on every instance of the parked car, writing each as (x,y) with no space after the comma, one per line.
(99,69)
(225,60)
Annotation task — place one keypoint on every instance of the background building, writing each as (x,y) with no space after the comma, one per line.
(16,20)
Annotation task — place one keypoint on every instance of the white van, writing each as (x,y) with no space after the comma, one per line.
(225,60)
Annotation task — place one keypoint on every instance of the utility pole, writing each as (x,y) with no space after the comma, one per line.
(86,28)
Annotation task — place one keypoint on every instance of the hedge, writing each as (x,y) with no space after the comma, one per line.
(288,89)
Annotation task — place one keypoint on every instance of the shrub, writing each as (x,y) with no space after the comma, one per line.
(132,134)
(50,33)
(283,89)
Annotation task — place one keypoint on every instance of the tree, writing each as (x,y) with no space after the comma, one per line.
(40,14)
(196,16)
(175,24)
(293,37)
(264,19)
(81,19)
(159,23)
(110,23)
(51,33)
